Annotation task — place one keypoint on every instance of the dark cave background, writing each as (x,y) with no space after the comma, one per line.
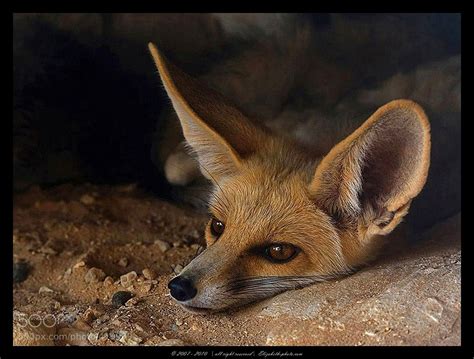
(87,100)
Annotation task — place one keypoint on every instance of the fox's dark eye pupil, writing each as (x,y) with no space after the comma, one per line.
(217,227)
(281,252)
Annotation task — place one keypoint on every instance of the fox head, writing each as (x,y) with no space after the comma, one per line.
(281,217)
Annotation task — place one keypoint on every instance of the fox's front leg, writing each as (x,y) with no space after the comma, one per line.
(180,167)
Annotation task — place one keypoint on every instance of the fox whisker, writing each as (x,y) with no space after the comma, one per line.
(269,284)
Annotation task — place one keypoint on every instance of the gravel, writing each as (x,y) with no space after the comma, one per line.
(120,298)
(21,270)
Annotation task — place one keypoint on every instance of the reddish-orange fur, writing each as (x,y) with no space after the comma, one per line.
(269,189)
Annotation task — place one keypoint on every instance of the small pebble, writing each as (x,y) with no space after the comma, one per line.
(21,270)
(179,322)
(162,245)
(147,287)
(120,298)
(171,342)
(130,339)
(79,264)
(139,328)
(48,250)
(148,273)
(103,318)
(87,199)
(117,322)
(89,315)
(94,275)
(123,262)
(45,289)
(127,279)
(178,268)
(93,337)
(108,281)
(132,302)
(176,244)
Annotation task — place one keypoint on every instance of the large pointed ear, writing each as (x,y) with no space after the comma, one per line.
(220,135)
(372,176)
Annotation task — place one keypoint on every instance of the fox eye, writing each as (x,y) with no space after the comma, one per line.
(281,252)
(217,227)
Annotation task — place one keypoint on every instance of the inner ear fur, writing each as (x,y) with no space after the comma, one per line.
(375,172)
(220,134)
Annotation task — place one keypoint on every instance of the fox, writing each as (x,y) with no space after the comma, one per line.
(282,214)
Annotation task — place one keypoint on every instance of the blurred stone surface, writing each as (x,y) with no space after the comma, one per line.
(409,299)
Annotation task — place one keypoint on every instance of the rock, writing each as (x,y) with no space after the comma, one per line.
(178,268)
(171,343)
(79,265)
(48,250)
(108,281)
(162,245)
(93,337)
(149,273)
(147,286)
(103,319)
(412,298)
(21,270)
(127,279)
(120,298)
(115,334)
(89,315)
(87,199)
(139,328)
(179,322)
(45,289)
(129,338)
(94,275)
(123,262)
(132,302)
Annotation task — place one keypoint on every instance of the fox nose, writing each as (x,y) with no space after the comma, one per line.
(182,289)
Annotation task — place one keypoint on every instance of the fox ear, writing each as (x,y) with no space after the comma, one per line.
(373,174)
(221,136)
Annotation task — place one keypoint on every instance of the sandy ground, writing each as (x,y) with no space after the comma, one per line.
(75,246)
